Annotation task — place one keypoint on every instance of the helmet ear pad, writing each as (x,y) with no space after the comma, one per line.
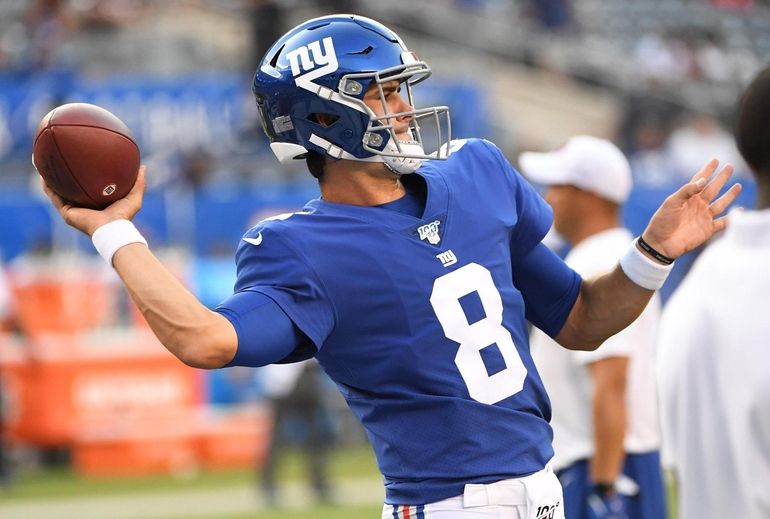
(333,123)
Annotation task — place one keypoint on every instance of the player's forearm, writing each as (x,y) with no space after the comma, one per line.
(609,431)
(193,333)
(609,418)
(605,305)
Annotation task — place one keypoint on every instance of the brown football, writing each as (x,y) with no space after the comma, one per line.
(86,155)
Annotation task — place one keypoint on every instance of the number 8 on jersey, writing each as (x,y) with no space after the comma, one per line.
(445,299)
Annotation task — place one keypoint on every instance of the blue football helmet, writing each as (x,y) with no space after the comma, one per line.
(310,88)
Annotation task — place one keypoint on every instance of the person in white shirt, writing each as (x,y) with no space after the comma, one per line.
(604,411)
(714,367)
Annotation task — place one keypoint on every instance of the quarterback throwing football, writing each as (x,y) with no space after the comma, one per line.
(411,278)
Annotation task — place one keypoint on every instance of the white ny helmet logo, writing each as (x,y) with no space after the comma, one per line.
(306,58)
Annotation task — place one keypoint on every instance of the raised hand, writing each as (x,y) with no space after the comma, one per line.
(690,216)
(88,220)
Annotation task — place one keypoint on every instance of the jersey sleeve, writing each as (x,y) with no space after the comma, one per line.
(274,269)
(266,335)
(549,288)
(534,215)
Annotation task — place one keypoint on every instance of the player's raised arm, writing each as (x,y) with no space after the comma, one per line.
(686,219)
(193,333)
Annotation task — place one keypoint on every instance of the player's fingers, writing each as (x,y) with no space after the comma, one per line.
(140,185)
(142,177)
(706,171)
(716,185)
(720,224)
(689,190)
(56,200)
(724,201)
(74,216)
(696,183)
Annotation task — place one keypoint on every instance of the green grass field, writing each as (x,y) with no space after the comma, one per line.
(319,512)
(352,466)
(38,484)
(347,467)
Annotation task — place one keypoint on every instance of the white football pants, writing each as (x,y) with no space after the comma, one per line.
(537,496)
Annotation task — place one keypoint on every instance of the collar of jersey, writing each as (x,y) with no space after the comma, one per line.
(436,204)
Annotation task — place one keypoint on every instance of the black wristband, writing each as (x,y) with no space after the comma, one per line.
(652,252)
(604,489)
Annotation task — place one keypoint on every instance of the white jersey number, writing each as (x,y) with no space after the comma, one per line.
(445,299)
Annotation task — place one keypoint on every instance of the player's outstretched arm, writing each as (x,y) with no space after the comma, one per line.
(687,218)
(196,335)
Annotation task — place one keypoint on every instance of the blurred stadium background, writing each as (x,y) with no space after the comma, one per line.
(98,420)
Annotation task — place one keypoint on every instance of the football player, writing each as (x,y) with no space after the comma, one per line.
(410,279)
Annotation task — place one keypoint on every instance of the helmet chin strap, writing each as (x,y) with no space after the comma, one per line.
(403,165)
(398,165)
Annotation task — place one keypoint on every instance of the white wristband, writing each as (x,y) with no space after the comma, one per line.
(111,236)
(642,270)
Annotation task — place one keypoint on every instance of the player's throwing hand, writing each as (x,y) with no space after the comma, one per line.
(88,220)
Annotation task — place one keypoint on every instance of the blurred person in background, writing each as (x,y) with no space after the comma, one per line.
(267,21)
(647,119)
(553,15)
(714,361)
(712,59)
(701,131)
(109,15)
(49,23)
(662,60)
(298,398)
(604,402)
(410,279)
(649,156)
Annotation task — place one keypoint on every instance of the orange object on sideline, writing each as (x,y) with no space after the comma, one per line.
(67,381)
(173,441)
(146,442)
(65,302)
(234,438)
(14,371)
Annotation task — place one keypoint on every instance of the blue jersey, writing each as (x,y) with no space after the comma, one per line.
(419,320)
